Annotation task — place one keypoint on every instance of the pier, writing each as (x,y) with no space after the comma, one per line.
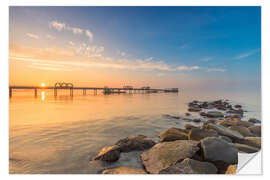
(105,89)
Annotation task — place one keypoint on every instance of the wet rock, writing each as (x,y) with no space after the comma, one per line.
(194,109)
(236,111)
(219,152)
(212,114)
(196,120)
(250,141)
(187,114)
(166,154)
(255,130)
(242,123)
(221,107)
(131,143)
(225,138)
(225,131)
(242,130)
(226,123)
(238,106)
(245,148)
(190,166)
(170,116)
(231,169)
(111,153)
(254,120)
(173,134)
(189,126)
(198,134)
(123,170)
(204,114)
(254,141)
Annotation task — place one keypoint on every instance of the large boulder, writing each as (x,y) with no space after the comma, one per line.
(219,152)
(242,130)
(191,166)
(255,130)
(123,170)
(189,126)
(198,134)
(173,134)
(250,141)
(231,169)
(254,120)
(111,153)
(225,131)
(245,148)
(131,143)
(164,155)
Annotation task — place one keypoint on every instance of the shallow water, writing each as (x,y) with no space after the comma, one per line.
(61,135)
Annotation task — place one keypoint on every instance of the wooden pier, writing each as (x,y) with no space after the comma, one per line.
(106,90)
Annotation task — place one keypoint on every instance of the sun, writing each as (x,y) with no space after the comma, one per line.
(42,84)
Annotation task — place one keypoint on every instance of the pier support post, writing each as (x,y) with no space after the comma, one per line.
(55,91)
(35,92)
(10,92)
(84,91)
(95,91)
(71,91)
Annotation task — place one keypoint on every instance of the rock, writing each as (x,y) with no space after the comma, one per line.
(245,148)
(225,131)
(214,114)
(196,120)
(226,139)
(198,134)
(226,123)
(211,121)
(123,170)
(238,106)
(189,126)
(242,123)
(250,141)
(164,155)
(187,114)
(173,134)
(231,169)
(219,152)
(221,107)
(254,120)
(255,130)
(254,141)
(131,143)
(242,130)
(236,111)
(194,109)
(111,153)
(190,166)
(170,116)
(203,113)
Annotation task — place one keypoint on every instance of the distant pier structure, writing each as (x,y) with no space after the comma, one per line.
(105,89)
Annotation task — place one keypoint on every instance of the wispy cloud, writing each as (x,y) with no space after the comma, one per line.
(187,68)
(247,54)
(206,59)
(216,70)
(60,26)
(34,36)
(50,36)
(123,54)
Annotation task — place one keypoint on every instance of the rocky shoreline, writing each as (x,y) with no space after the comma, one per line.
(210,148)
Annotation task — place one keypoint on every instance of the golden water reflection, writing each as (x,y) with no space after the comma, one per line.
(42,95)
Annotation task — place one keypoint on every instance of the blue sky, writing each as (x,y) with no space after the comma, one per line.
(215,45)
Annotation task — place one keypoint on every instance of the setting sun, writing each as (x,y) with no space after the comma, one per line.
(42,84)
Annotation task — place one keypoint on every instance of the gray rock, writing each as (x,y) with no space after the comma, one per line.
(250,141)
(254,120)
(255,130)
(123,170)
(131,143)
(173,134)
(219,152)
(164,155)
(111,153)
(190,166)
(214,114)
(225,138)
(242,130)
(189,126)
(226,123)
(225,131)
(198,134)
(194,109)
(245,148)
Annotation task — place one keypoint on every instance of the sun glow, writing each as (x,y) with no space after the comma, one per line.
(42,84)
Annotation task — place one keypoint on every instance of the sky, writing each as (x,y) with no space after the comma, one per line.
(203,48)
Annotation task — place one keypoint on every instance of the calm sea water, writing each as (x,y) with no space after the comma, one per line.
(61,135)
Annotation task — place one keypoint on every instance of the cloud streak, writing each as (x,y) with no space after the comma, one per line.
(247,54)
(33,36)
(187,68)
